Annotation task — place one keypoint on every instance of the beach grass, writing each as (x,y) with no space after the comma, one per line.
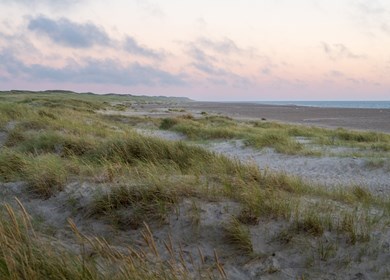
(56,138)
(283,138)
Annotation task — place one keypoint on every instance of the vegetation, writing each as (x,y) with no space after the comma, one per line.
(54,139)
(282,138)
(239,235)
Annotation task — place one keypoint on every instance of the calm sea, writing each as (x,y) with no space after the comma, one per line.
(333,104)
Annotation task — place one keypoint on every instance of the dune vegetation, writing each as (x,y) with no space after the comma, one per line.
(284,138)
(155,196)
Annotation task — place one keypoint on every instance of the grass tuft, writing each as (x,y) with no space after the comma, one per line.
(239,235)
(311,223)
(45,174)
(143,202)
(168,123)
(11,165)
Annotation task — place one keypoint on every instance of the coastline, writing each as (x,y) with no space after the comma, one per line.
(350,118)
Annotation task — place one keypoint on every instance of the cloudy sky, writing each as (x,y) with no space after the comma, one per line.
(206,50)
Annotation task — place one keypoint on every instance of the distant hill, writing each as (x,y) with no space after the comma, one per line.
(115,95)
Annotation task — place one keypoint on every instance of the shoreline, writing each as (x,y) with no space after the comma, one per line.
(367,119)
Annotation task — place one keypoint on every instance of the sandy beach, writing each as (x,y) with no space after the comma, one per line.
(362,119)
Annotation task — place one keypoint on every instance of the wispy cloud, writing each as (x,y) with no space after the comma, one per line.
(266,71)
(386,28)
(373,15)
(10,66)
(203,62)
(268,67)
(133,47)
(336,74)
(151,7)
(224,46)
(53,5)
(371,7)
(339,51)
(68,33)
(92,71)
(210,66)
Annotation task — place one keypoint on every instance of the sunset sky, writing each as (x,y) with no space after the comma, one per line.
(206,50)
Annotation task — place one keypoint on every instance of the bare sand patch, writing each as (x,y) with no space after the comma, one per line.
(325,170)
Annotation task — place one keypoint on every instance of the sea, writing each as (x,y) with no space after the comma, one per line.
(333,104)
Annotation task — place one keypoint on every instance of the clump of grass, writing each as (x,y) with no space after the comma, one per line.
(280,141)
(211,127)
(259,203)
(25,256)
(120,107)
(12,111)
(267,125)
(130,120)
(44,142)
(311,222)
(301,131)
(357,227)
(284,182)
(196,131)
(362,194)
(187,117)
(14,137)
(238,235)
(134,148)
(45,174)
(381,147)
(168,123)
(345,135)
(46,113)
(219,119)
(11,165)
(55,142)
(144,203)
(326,250)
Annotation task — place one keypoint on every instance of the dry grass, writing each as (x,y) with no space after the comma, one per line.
(45,174)
(239,235)
(25,254)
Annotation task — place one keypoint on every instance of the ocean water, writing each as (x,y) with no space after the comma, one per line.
(333,104)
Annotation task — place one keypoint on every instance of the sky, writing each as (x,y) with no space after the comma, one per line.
(222,50)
